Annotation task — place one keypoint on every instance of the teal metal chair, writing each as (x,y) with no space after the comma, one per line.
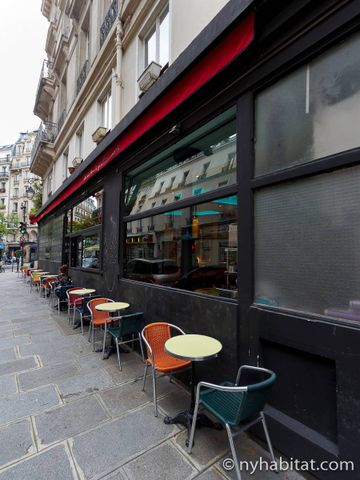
(233,404)
(129,325)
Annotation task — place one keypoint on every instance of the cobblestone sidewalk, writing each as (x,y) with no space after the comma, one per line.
(67,414)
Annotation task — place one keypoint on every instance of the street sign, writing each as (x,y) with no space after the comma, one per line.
(1,246)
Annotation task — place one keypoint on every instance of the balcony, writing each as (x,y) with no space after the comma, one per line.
(45,91)
(42,153)
(108,21)
(82,77)
(4,175)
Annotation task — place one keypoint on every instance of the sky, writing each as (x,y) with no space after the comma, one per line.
(23,31)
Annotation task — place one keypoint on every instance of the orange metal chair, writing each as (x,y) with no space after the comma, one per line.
(155,335)
(35,281)
(98,319)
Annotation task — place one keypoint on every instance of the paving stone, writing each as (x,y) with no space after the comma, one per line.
(7,385)
(130,435)
(36,330)
(69,420)
(7,355)
(210,474)
(56,357)
(160,463)
(12,342)
(16,441)
(209,445)
(175,402)
(80,385)
(129,396)
(18,365)
(117,475)
(20,405)
(46,375)
(250,451)
(53,464)
(132,370)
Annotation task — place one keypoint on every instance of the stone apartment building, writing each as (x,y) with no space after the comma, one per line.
(101,58)
(16,192)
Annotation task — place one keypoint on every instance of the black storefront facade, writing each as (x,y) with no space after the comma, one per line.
(236,213)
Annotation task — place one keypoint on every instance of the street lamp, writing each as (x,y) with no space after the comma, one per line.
(29,193)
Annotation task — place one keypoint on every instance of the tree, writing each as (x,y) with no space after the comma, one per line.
(37,199)
(8,224)
(3,222)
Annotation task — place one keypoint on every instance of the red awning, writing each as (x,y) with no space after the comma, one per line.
(218,58)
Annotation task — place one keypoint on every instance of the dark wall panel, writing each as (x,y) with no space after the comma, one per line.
(194,314)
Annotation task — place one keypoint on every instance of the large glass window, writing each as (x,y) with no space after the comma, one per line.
(157,41)
(311,113)
(83,225)
(194,248)
(307,235)
(201,162)
(50,239)
(191,245)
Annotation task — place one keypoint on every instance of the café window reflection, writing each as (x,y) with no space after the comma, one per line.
(83,231)
(201,162)
(193,248)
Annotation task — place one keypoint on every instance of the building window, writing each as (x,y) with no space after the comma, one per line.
(106,111)
(83,227)
(49,184)
(80,142)
(194,165)
(65,164)
(307,229)
(15,207)
(311,113)
(156,42)
(194,247)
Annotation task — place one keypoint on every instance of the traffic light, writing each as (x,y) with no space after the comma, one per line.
(22,228)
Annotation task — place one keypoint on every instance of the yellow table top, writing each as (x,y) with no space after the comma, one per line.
(193,347)
(82,291)
(111,306)
(39,274)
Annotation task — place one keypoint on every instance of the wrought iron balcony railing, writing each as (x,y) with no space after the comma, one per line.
(4,174)
(82,77)
(108,21)
(46,134)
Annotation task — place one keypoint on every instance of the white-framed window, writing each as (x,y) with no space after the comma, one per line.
(156,41)
(80,142)
(49,184)
(65,164)
(106,110)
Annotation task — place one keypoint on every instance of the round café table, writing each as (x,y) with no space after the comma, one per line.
(82,291)
(110,307)
(196,348)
